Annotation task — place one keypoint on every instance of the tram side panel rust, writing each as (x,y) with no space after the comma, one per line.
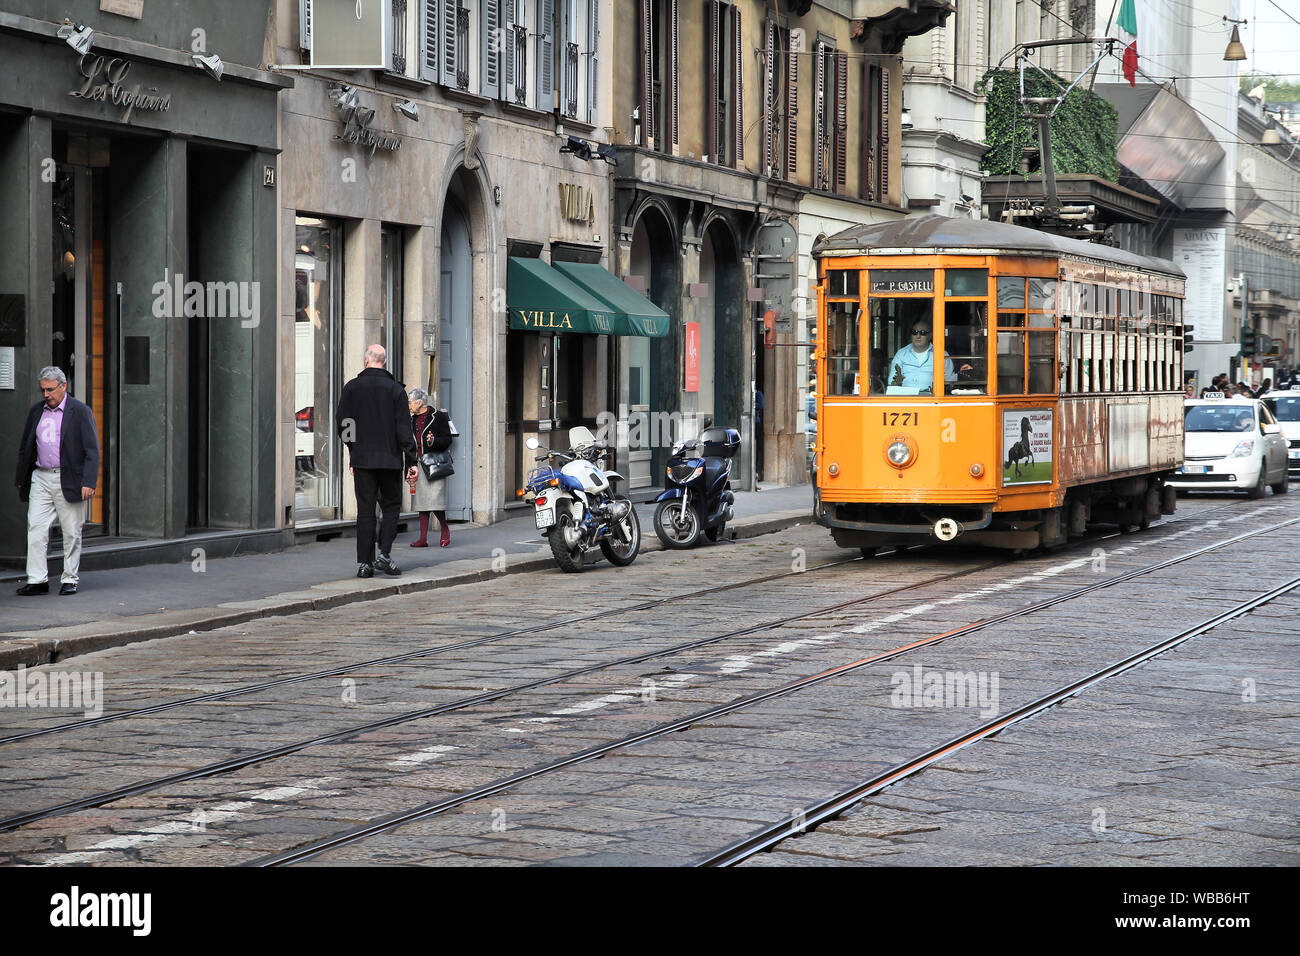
(1083,440)
(1166,431)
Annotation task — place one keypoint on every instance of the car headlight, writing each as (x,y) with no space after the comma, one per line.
(898,453)
(1244,449)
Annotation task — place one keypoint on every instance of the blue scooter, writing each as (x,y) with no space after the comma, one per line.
(698,498)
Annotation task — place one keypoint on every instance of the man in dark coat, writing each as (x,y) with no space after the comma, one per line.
(58,467)
(375,423)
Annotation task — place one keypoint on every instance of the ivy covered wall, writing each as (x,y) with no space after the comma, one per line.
(1083,129)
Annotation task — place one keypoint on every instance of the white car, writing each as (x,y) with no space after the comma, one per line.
(1285,407)
(1231,444)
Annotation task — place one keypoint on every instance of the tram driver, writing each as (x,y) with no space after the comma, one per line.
(913,364)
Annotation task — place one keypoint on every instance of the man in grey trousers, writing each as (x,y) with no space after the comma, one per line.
(58,467)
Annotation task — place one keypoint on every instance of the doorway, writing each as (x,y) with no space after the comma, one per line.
(455,367)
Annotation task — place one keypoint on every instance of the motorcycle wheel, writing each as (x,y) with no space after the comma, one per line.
(622,547)
(714,533)
(569,561)
(677,524)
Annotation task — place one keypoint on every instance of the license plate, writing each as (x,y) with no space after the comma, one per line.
(545,517)
(1294,453)
(1193,469)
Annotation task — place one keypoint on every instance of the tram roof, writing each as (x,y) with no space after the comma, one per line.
(927,235)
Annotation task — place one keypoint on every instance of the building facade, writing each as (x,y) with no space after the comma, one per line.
(139,254)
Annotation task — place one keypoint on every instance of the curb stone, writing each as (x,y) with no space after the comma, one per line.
(60,643)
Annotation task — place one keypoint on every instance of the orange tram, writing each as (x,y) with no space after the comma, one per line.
(993,384)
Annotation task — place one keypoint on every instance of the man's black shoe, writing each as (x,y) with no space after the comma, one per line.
(365,571)
(68,589)
(29,589)
(385,563)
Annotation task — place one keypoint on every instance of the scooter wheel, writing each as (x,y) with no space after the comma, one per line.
(677,524)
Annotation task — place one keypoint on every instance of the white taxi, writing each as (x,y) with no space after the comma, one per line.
(1231,444)
(1285,407)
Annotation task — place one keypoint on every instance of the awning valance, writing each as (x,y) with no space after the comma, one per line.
(577,297)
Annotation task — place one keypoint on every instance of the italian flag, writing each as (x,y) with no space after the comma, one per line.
(1128,22)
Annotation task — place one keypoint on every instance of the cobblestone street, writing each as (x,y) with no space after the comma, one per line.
(475,712)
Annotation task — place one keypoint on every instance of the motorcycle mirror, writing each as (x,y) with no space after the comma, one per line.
(533,443)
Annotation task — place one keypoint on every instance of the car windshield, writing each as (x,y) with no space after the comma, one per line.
(1219,418)
(1286,408)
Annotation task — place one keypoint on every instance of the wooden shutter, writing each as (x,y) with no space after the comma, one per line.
(819,113)
(593,66)
(429,40)
(647,71)
(737,89)
(546,55)
(490,47)
(841,120)
(791,111)
(884,136)
(447,41)
(304,24)
(508,52)
(769,98)
(712,42)
(674,87)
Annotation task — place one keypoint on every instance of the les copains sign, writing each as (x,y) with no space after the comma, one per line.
(105,81)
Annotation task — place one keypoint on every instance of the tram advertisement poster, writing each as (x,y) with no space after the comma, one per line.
(1027,446)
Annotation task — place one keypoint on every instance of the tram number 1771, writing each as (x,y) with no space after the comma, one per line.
(900,418)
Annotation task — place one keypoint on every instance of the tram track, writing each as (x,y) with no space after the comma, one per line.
(428,652)
(268,754)
(393,821)
(834,806)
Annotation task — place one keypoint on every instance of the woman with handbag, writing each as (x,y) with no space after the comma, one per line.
(432,429)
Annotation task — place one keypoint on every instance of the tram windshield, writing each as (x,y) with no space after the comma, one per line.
(902,347)
(966,347)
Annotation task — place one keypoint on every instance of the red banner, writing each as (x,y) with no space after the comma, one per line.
(692,356)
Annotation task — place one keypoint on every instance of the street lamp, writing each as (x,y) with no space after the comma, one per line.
(1235,50)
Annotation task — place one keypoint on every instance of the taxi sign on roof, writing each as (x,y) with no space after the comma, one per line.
(1212,395)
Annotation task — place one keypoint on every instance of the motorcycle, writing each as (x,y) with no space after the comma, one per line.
(698,499)
(575,506)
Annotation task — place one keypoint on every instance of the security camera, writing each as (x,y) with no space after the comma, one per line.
(77,35)
(408,109)
(968,200)
(211,65)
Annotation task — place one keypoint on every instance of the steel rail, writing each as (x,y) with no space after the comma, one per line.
(391,821)
(834,806)
(271,753)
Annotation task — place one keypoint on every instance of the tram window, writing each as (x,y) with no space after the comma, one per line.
(895,366)
(1011,363)
(1068,371)
(966,346)
(1107,381)
(966,282)
(1042,363)
(842,348)
(842,282)
(1042,294)
(1011,292)
(1087,363)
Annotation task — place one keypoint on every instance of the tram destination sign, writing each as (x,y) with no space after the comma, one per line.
(890,281)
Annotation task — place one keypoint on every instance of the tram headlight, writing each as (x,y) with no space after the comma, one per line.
(899,453)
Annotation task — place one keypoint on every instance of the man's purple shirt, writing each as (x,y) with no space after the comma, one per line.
(49,431)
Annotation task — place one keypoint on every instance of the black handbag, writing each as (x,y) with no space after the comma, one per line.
(437,465)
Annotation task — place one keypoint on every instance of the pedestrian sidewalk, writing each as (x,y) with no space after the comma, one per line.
(124,605)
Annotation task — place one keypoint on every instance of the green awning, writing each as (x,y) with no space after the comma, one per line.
(541,299)
(639,314)
(578,297)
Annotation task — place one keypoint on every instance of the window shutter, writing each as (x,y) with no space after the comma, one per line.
(593,65)
(769,98)
(546,55)
(508,51)
(738,87)
(447,41)
(791,111)
(569,59)
(674,86)
(712,41)
(647,72)
(841,120)
(819,107)
(490,48)
(884,136)
(429,40)
(304,24)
